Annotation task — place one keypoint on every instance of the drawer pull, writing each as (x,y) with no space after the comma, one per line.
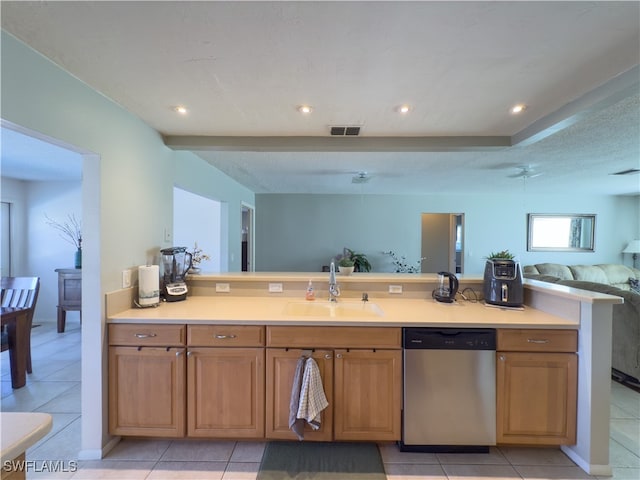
(222,337)
(327,356)
(145,335)
(534,340)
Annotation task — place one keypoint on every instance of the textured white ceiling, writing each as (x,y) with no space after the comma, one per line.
(242,68)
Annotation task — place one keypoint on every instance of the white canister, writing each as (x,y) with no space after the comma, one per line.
(148,285)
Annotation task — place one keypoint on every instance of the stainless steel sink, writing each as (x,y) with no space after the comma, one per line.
(333,310)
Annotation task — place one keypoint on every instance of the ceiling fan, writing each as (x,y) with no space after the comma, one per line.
(361,177)
(526,171)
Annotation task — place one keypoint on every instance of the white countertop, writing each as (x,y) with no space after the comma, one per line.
(20,430)
(397,313)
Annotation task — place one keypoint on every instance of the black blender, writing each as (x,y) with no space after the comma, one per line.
(176,262)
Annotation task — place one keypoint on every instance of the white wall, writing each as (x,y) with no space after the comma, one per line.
(302,232)
(196,219)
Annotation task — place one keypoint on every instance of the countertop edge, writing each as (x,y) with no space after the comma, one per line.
(21,430)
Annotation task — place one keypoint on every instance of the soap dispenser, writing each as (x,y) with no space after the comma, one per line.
(310,295)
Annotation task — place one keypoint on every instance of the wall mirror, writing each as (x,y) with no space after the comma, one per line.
(559,232)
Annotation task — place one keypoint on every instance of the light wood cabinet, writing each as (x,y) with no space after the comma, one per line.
(367,394)
(537,387)
(280,369)
(146,391)
(225,381)
(159,386)
(363,384)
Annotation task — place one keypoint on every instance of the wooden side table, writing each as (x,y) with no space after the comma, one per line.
(69,294)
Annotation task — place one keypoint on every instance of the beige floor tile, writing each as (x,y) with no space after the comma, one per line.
(113,469)
(413,471)
(392,454)
(535,456)
(617,412)
(494,457)
(67,402)
(551,472)
(626,399)
(620,473)
(199,450)
(627,433)
(620,456)
(248,452)
(187,471)
(139,450)
(64,445)
(241,471)
(34,395)
(469,472)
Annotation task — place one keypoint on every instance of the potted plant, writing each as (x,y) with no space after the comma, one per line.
(360,261)
(345,266)
(502,255)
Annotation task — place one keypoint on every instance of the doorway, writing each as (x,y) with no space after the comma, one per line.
(247,243)
(442,245)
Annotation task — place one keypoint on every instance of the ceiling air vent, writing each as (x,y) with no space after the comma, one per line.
(630,171)
(345,131)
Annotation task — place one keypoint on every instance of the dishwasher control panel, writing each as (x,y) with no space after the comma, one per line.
(449,338)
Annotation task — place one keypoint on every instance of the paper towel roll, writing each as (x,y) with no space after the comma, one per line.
(148,285)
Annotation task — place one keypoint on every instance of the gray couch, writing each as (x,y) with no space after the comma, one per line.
(612,279)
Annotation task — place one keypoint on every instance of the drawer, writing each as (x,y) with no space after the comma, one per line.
(534,340)
(141,334)
(225,335)
(334,337)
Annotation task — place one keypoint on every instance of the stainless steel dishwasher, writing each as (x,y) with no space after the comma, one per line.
(449,389)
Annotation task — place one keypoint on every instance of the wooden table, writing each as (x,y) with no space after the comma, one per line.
(69,294)
(19,431)
(17,325)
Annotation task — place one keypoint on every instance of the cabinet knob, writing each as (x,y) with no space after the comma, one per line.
(338,355)
(188,354)
(222,337)
(502,358)
(145,335)
(327,356)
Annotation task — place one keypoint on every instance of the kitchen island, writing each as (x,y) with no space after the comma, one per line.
(276,300)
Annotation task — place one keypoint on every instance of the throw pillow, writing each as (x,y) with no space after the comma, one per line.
(634,283)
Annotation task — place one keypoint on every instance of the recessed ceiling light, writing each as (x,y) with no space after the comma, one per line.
(305,109)
(404,109)
(182,110)
(519,108)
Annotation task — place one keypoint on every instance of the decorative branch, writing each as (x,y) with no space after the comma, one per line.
(70,231)
(401,263)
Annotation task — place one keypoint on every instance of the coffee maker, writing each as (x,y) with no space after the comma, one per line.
(503,283)
(446,292)
(176,262)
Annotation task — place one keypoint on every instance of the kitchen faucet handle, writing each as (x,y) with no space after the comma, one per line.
(365,297)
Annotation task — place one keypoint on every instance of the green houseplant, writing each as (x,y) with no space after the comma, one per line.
(503,255)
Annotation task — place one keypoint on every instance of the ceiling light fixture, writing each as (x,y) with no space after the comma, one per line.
(305,109)
(521,107)
(403,109)
(182,110)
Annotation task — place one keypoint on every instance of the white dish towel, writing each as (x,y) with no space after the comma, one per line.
(312,398)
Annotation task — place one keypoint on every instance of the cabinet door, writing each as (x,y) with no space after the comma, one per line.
(281,367)
(147,391)
(367,394)
(225,392)
(536,398)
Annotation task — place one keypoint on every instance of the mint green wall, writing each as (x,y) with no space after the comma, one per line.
(128,180)
(302,232)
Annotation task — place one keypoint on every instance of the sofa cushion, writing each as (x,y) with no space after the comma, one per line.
(617,275)
(634,285)
(542,278)
(589,273)
(555,269)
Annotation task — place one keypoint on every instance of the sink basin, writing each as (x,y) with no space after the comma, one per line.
(333,310)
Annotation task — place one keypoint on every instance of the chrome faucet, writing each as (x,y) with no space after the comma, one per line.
(334,290)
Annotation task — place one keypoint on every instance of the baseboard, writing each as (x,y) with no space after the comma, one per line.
(99,453)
